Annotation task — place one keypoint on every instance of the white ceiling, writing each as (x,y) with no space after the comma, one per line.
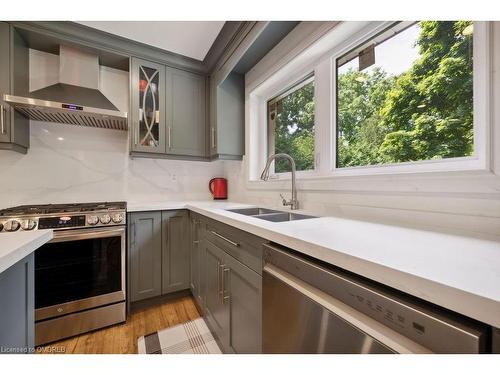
(188,38)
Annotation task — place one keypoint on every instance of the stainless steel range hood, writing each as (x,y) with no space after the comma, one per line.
(75,99)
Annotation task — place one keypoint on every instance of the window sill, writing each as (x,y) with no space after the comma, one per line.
(478,182)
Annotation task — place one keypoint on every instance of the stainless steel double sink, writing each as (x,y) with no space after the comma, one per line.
(271,215)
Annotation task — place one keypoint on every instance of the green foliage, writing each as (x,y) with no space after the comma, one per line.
(294,129)
(424,113)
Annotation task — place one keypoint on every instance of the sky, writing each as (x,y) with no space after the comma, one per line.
(395,55)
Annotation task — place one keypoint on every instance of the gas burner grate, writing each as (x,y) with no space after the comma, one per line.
(45,209)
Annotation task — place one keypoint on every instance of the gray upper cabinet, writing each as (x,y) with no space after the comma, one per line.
(175,251)
(227,96)
(167,111)
(145,254)
(227,84)
(4,81)
(14,73)
(227,117)
(17,323)
(147,107)
(186,132)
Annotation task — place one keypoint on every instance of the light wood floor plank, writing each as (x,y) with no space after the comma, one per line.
(122,338)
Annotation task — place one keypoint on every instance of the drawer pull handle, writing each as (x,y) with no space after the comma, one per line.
(225,239)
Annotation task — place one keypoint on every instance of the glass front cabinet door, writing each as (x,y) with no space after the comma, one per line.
(148,125)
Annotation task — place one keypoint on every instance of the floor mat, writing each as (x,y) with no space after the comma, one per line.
(192,337)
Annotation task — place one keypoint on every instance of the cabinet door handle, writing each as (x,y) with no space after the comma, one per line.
(218,280)
(224,238)
(221,289)
(133,235)
(136,129)
(2,121)
(224,298)
(169,137)
(213,136)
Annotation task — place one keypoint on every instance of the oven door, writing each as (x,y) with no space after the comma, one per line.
(78,270)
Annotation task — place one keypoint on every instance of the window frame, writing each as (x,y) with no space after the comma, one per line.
(271,124)
(481,116)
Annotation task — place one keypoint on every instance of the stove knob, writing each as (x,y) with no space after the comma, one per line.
(117,218)
(105,219)
(12,225)
(92,220)
(28,224)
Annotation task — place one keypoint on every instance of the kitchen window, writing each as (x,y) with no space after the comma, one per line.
(382,113)
(291,126)
(406,95)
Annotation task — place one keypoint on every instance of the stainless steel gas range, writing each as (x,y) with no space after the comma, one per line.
(80,273)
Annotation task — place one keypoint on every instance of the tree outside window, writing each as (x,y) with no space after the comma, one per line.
(389,113)
(291,122)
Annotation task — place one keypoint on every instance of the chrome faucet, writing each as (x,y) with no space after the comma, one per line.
(293,203)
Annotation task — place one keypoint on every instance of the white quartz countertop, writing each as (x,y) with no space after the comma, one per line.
(18,245)
(457,272)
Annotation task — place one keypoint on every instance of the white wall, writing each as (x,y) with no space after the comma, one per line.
(70,164)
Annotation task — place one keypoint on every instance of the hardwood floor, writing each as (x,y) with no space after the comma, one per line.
(122,338)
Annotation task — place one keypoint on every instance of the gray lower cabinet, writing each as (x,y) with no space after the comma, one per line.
(145,255)
(243,293)
(232,289)
(17,317)
(14,127)
(216,307)
(175,251)
(232,301)
(196,260)
(158,244)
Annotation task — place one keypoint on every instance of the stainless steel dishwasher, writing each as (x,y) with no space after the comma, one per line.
(312,308)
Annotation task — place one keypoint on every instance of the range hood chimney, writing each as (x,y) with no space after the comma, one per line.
(75,99)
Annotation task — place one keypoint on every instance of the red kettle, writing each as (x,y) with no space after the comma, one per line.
(218,187)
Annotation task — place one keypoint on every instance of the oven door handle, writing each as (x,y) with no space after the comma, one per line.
(74,235)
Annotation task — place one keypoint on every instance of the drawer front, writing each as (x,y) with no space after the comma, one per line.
(241,245)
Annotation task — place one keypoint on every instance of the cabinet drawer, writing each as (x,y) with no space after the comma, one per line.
(241,245)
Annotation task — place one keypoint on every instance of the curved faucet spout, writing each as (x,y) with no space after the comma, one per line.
(293,203)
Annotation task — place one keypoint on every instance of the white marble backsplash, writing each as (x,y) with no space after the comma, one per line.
(70,164)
